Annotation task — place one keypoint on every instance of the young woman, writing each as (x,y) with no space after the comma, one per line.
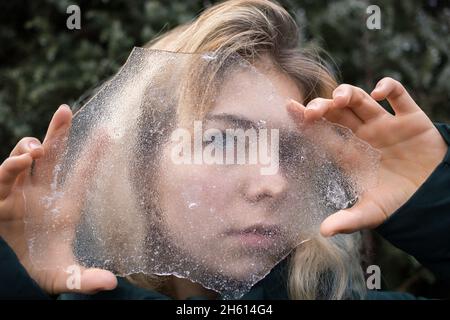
(409,207)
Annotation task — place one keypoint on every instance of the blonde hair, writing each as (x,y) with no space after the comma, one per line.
(322,268)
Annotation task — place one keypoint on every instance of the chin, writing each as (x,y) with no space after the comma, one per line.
(245,269)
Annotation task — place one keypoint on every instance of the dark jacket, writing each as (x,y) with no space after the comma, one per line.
(421,227)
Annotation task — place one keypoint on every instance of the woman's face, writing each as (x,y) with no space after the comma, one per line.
(230,218)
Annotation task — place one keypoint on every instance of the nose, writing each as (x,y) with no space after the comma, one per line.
(265,187)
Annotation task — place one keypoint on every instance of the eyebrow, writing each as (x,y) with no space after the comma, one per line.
(239,121)
(236,120)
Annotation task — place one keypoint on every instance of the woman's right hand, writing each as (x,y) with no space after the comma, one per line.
(14,172)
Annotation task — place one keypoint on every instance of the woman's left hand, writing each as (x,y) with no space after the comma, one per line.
(411,148)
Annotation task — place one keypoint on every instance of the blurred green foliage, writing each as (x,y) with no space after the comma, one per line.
(43,64)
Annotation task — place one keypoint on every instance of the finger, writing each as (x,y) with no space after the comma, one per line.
(28,145)
(54,144)
(326,108)
(10,169)
(77,279)
(333,139)
(396,94)
(61,120)
(358,101)
(296,110)
(361,216)
(95,280)
(317,108)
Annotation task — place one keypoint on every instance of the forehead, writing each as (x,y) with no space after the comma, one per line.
(258,94)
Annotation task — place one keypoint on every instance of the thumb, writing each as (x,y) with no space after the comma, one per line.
(363,215)
(59,124)
(76,279)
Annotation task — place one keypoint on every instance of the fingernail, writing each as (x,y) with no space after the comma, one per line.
(313,106)
(338,93)
(34,145)
(63,106)
(291,104)
(378,86)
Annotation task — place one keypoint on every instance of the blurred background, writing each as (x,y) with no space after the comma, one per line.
(44,64)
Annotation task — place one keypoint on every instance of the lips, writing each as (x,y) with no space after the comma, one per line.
(255,235)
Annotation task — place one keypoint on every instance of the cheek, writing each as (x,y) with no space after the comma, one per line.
(196,198)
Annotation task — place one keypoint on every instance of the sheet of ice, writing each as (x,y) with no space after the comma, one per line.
(150,178)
